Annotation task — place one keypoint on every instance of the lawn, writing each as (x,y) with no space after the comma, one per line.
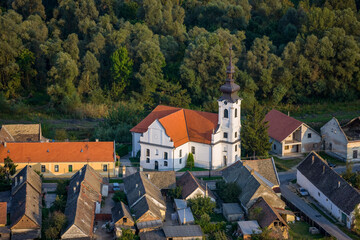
(114,180)
(283,165)
(194,169)
(300,230)
(332,159)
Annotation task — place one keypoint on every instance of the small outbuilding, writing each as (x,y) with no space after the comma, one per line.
(183,232)
(185,216)
(247,228)
(232,212)
(287,215)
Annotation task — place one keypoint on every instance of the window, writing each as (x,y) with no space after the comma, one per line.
(180,160)
(274,146)
(70,168)
(148,152)
(319,194)
(235,134)
(286,147)
(56,168)
(147,160)
(193,150)
(235,148)
(355,154)
(104,168)
(226,113)
(236,112)
(225,135)
(156,152)
(309,135)
(165,155)
(42,168)
(124,220)
(165,163)
(180,153)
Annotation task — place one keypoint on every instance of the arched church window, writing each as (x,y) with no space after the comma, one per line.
(226,113)
(236,112)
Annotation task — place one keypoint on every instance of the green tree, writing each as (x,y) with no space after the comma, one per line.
(176,192)
(254,133)
(119,196)
(121,69)
(26,60)
(201,205)
(190,163)
(9,166)
(229,192)
(356,225)
(60,134)
(28,7)
(127,234)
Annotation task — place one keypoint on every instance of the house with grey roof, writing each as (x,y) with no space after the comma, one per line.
(252,185)
(145,201)
(248,228)
(342,142)
(183,232)
(328,188)
(21,133)
(84,194)
(121,218)
(192,187)
(25,212)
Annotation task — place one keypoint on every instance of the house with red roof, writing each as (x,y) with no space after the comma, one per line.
(61,159)
(168,134)
(290,136)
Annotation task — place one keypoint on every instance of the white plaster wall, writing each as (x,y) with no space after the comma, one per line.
(185,152)
(351,146)
(308,143)
(332,133)
(135,143)
(322,199)
(202,154)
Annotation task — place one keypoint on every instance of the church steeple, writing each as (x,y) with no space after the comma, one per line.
(230,88)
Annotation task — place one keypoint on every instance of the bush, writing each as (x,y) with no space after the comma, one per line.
(176,192)
(201,205)
(229,192)
(190,163)
(119,196)
(122,150)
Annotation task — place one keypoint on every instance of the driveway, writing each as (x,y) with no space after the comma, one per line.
(314,215)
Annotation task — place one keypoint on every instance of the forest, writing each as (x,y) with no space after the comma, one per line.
(85,58)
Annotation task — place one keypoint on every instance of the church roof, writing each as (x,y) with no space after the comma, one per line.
(181,125)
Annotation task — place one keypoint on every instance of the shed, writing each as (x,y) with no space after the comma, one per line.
(232,212)
(180,204)
(183,232)
(247,228)
(287,215)
(185,216)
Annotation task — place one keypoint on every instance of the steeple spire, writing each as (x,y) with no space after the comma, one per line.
(229,89)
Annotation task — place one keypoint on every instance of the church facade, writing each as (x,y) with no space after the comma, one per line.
(168,134)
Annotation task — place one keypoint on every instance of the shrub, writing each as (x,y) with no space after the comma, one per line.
(228,192)
(201,205)
(190,163)
(122,150)
(119,196)
(176,192)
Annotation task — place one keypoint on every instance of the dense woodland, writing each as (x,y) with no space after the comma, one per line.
(84,57)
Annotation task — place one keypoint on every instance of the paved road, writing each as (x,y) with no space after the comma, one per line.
(312,213)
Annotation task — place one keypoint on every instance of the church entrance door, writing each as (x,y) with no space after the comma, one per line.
(156,165)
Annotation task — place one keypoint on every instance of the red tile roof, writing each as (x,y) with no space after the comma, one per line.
(58,152)
(3,213)
(281,125)
(181,125)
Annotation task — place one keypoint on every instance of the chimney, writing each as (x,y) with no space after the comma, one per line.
(206,190)
(312,159)
(136,186)
(289,113)
(148,176)
(184,216)
(80,171)
(21,179)
(15,181)
(74,189)
(338,184)
(4,144)
(96,140)
(139,193)
(323,169)
(77,183)
(252,171)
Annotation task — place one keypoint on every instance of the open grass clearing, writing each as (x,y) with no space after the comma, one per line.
(283,165)
(300,230)
(194,169)
(331,159)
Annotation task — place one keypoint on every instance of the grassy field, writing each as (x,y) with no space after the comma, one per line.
(283,165)
(332,159)
(113,180)
(193,169)
(300,230)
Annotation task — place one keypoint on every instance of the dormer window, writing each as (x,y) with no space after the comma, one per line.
(226,113)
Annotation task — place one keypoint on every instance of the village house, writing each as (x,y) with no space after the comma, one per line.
(122,219)
(248,228)
(21,133)
(328,188)
(84,197)
(193,188)
(61,159)
(26,202)
(164,180)
(252,185)
(145,201)
(168,134)
(342,142)
(269,218)
(290,136)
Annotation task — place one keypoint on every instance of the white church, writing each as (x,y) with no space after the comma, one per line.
(168,134)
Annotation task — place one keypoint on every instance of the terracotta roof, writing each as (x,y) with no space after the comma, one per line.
(267,215)
(266,168)
(181,125)
(3,213)
(281,125)
(36,152)
(189,184)
(20,133)
(334,187)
